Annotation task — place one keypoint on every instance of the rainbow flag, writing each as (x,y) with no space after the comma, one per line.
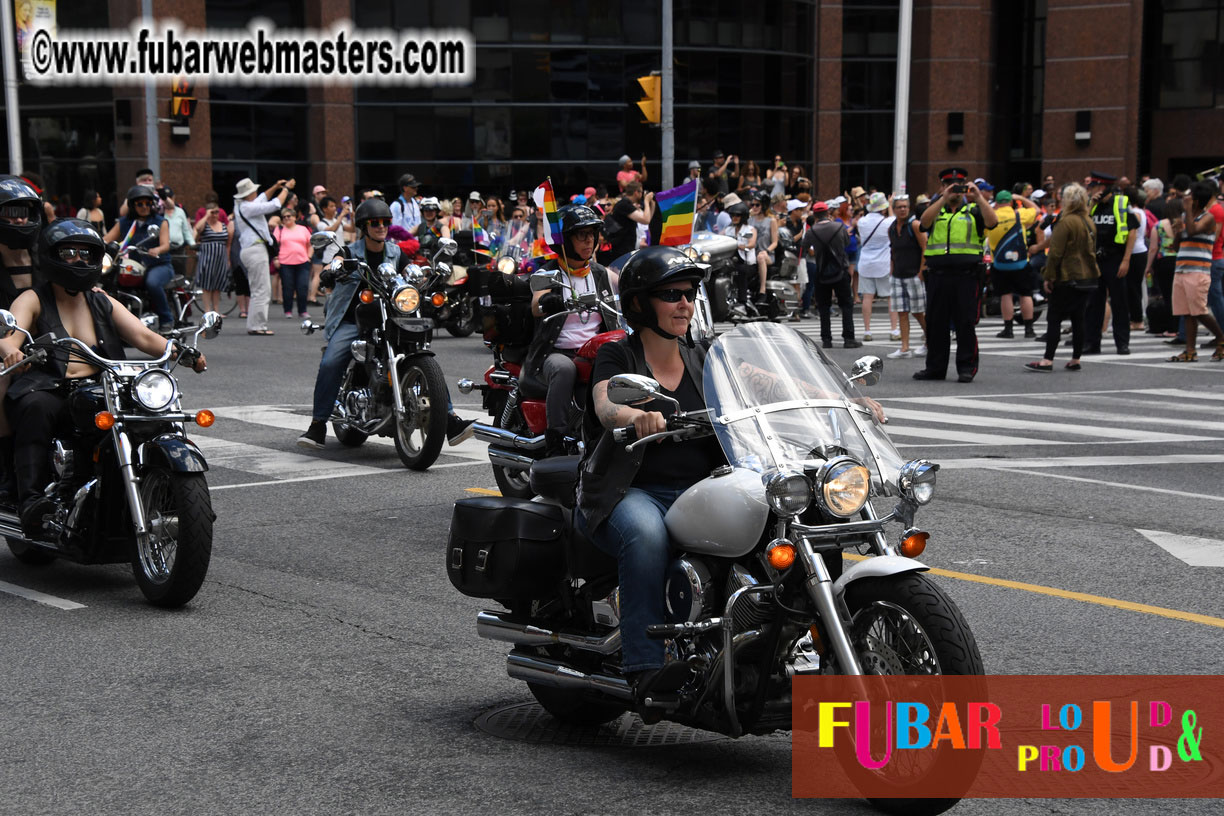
(677,208)
(127,238)
(540,249)
(547,202)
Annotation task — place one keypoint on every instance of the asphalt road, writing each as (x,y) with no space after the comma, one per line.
(327,665)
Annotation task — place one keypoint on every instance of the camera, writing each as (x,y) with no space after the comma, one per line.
(960,188)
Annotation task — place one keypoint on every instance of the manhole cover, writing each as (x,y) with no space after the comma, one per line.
(529,722)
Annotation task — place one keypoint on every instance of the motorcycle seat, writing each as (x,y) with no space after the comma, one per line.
(532,387)
(556,478)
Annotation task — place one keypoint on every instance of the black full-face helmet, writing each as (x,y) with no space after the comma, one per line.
(70,254)
(371,208)
(573,218)
(649,269)
(18,200)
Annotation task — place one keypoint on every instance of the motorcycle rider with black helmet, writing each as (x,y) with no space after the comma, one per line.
(159,271)
(624,495)
(373,219)
(550,360)
(70,258)
(20,219)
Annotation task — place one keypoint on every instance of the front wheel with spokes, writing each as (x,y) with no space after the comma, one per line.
(172,559)
(421,429)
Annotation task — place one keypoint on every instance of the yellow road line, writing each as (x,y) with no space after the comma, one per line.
(483,491)
(1083,597)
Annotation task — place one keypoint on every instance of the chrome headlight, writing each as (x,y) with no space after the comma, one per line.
(843,486)
(692,253)
(917,480)
(507,265)
(705,257)
(406,299)
(155,390)
(789,493)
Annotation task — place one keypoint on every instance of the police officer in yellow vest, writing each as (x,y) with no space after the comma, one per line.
(1116,230)
(955,222)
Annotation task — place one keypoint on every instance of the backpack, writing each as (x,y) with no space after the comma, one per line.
(1011,253)
(612,227)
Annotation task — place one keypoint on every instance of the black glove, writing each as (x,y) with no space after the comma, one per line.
(327,278)
(552,303)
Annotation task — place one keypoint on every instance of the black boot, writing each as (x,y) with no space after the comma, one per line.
(554,444)
(1007,330)
(8,476)
(1029,332)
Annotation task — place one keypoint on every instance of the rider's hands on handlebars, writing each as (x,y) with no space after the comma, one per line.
(552,303)
(646,423)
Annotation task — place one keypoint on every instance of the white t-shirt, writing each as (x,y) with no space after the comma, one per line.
(743,236)
(574,332)
(1141,233)
(875,250)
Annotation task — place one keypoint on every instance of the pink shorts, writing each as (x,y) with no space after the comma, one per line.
(1190,293)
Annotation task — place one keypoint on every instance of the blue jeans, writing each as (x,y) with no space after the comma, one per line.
(636,536)
(156,279)
(331,371)
(1215,295)
(295,278)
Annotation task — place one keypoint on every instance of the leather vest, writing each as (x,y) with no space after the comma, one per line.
(54,370)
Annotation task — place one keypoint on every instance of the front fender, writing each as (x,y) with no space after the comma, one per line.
(173,452)
(876,567)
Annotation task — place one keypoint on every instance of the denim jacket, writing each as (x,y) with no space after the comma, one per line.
(346,288)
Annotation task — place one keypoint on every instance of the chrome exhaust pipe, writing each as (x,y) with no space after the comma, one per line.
(551,673)
(494,627)
(507,439)
(510,461)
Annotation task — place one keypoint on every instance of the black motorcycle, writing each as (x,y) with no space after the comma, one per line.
(129,485)
(449,284)
(393,386)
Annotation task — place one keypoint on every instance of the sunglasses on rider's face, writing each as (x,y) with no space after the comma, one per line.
(379,222)
(142,202)
(674,295)
(755,204)
(68,254)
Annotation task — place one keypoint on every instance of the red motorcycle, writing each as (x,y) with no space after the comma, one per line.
(516,439)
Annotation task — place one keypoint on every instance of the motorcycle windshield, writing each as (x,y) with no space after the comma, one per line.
(777,402)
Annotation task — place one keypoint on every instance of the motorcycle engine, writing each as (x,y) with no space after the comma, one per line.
(688,590)
(751,611)
(357,404)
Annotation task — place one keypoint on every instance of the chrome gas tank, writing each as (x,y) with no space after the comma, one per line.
(722,515)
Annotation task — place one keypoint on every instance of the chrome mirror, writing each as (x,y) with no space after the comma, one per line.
(321,239)
(636,389)
(8,323)
(211,324)
(153,231)
(866,370)
(447,247)
(545,280)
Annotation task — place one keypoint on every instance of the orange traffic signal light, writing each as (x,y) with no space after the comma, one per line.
(651,106)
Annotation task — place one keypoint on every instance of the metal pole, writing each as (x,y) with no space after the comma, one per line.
(151,136)
(667,118)
(901,125)
(10,87)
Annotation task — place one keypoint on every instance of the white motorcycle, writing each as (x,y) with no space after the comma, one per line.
(757,593)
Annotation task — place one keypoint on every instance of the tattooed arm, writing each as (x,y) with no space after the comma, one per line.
(768,387)
(613,416)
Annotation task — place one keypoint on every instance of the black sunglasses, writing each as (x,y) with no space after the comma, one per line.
(69,253)
(674,295)
(379,222)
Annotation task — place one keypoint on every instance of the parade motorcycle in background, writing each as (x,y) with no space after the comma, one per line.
(393,385)
(129,485)
(757,593)
(516,438)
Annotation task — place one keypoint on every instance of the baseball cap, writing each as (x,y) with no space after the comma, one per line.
(1038,194)
(795,204)
(984,185)
(820,207)
(838,201)
(589,192)
(718,154)
(1003,197)
(474,196)
(319,188)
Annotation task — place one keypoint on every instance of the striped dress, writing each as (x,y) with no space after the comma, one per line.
(1194,254)
(213,270)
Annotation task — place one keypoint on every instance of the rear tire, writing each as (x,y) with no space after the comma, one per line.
(30,554)
(465,319)
(348,436)
(170,566)
(420,432)
(574,707)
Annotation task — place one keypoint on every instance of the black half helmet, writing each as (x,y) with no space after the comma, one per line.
(573,218)
(371,208)
(137,192)
(20,213)
(649,269)
(77,274)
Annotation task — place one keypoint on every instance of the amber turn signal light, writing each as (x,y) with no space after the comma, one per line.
(438,299)
(914,543)
(205,418)
(781,556)
(104,420)
(367,295)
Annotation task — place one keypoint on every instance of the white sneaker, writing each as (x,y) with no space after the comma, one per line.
(920,351)
(894,335)
(901,354)
(866,337)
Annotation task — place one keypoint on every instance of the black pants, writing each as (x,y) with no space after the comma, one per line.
(747,281)
(36,417)
(1066,302)
(561,374)
(953,298)
(824,294)
(1134,286)
(1114,288)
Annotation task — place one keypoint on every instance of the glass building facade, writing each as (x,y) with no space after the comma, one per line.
(555,87)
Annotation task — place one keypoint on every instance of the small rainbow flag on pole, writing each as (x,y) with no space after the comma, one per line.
(547,202)
(677,208)
(128,238)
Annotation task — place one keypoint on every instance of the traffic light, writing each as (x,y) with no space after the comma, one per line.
(653,87)
(182,106)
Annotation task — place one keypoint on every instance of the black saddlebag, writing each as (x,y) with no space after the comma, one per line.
(505,548)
